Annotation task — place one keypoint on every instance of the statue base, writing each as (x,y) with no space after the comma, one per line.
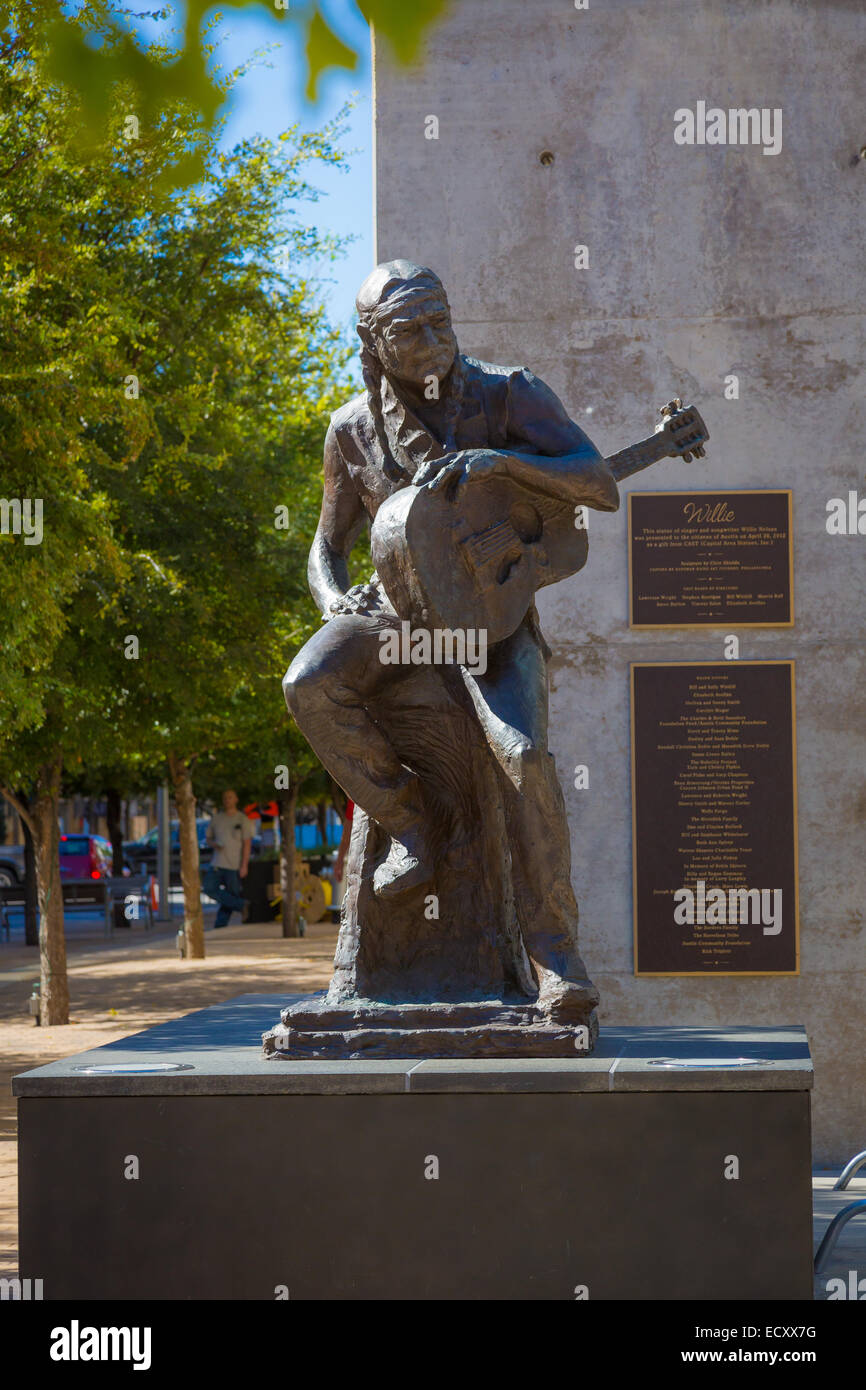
(546,1178)
(358,1028)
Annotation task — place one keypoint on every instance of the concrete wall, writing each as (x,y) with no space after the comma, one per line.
(702,261)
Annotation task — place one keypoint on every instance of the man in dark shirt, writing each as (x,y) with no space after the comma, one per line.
(429,413)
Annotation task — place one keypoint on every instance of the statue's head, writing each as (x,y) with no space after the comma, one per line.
(404,321)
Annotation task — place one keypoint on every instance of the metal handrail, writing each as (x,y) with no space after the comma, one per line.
(848,1172)
(834,1230)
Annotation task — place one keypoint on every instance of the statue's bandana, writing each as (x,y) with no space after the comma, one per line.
(387,291)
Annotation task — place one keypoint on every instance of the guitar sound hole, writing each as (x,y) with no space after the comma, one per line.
(526,522)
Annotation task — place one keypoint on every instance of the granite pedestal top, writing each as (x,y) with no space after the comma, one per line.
(217,1051)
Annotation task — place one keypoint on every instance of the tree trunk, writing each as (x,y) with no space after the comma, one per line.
(31,915)
(54,985)
(113,815)
(184,797)
(288,801)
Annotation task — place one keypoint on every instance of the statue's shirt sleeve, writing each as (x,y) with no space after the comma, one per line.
(538,423)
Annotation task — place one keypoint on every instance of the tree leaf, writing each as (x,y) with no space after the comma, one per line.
(403,25)
(324,49)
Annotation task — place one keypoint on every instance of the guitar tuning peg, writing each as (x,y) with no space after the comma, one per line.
(678,403)
(699,451)
(687,458)
(666,411)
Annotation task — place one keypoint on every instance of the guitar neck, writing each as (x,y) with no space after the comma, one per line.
(638,456)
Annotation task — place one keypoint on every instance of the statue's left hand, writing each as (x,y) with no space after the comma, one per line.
(468,463)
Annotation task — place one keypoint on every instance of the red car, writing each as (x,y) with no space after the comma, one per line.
(85,856)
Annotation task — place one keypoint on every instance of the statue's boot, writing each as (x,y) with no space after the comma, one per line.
(409,865)
(567,998)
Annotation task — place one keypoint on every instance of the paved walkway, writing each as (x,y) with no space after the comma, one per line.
(136,979)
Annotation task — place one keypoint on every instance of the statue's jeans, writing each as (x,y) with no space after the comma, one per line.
(327,689)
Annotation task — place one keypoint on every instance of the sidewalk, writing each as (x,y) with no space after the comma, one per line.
(86,930)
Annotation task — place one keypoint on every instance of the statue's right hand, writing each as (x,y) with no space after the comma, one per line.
(361,598)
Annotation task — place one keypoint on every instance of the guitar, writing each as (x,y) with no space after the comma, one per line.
(475,557)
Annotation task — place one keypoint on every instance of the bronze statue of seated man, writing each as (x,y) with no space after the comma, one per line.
(431,417)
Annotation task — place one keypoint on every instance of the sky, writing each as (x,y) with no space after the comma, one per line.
(271,97)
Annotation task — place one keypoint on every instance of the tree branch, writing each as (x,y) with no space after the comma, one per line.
(20,808)
(22,158)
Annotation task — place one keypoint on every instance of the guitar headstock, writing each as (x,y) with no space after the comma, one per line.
(684,430)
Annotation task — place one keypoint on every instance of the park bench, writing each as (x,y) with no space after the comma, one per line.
(107,894)
(85,892)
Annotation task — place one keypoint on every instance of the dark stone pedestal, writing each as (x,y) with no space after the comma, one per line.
(600,1176)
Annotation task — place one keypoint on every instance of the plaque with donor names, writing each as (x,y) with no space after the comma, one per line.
(710,559)
(714,818)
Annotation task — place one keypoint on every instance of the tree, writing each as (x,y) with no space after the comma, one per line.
(237,373)
(60,537)
(31,770)
(113,781)
(143,402)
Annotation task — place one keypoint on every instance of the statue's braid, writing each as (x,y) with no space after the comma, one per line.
(371,370)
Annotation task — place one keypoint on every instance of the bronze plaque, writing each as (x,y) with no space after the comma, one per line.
(710,559)
(714,818)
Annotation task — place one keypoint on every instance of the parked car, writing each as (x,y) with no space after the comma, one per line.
(85,856)
(11,865)
(140,855)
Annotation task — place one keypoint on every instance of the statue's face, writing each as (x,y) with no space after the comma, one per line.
(416,341)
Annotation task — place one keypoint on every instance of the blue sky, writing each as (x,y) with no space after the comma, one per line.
(271,97)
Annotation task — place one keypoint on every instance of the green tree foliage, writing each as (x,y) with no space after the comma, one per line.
(165,384)
(236,374)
